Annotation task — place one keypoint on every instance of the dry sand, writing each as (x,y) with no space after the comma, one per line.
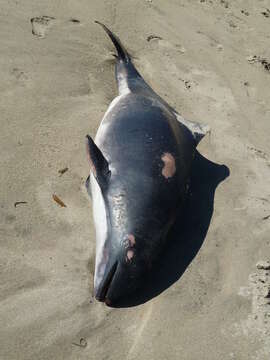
(55,86)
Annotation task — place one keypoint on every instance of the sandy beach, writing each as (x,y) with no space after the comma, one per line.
(210,297)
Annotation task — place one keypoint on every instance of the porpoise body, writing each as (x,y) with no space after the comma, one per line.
(140,164)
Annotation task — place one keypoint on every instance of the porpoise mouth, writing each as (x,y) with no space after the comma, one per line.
(101,294)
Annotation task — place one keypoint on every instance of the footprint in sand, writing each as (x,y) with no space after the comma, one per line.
(159,41)
(41,25)
(258,291)
(19,74)
(258,153)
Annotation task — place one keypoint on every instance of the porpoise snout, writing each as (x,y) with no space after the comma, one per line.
(121,278)
(102,287)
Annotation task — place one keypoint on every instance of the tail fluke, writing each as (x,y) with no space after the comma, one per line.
(121,51)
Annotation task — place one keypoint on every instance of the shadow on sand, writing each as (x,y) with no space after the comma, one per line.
(187,234)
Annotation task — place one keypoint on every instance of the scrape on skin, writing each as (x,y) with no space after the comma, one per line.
(130,255)
(131,240)
(169,167)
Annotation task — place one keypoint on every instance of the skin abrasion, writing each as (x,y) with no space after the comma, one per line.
(130,255)
(129,244)
(169,167)
(131,240)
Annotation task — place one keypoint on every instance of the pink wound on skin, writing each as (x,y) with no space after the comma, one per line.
(130,254)
(131,240)
(169,167)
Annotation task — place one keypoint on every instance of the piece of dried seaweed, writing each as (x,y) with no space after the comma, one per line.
(58,201)
(62,171)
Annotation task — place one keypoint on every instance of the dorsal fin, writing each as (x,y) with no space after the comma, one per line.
(98,164)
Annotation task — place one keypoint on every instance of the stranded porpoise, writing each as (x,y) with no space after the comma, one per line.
(140,164)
